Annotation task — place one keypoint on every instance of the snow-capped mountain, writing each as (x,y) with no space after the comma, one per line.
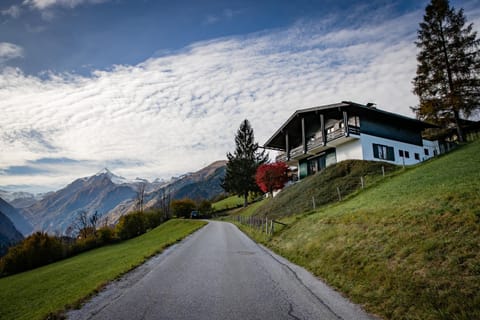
(111,196)
(113,177)
(101,192)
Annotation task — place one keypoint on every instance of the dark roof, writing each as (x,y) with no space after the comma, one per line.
(353,108)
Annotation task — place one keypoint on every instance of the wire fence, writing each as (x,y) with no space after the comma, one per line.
(262,224)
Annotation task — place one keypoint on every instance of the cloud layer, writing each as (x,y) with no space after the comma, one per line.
(44,4)
(179,112)
(10,51)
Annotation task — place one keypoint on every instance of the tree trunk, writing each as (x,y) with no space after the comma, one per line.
(245,199)
(456,115)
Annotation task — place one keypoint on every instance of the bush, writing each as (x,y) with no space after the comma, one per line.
(131,225)
(205,208)
(153,219)
(183,208)
(105,235)
(36,250)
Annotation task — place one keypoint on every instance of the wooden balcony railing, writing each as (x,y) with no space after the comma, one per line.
(317,142)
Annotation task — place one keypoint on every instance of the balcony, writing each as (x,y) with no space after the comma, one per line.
(316,145)
(282,157)
(295,152)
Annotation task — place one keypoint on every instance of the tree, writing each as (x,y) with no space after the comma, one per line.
(84,225)
(205,208)
(183,208)
(447,81)
(140,198)
(243,163)
(272,176)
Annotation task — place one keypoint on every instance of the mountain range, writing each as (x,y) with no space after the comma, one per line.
(8,234)
(19,221)
(110,196)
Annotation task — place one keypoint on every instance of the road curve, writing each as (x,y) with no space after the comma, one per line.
(218,273)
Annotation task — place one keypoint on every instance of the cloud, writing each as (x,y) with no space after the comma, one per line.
(179,112)
(45,4)
(13,11)
(10,51)
(226,14)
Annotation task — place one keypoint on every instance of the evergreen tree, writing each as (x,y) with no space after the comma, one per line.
(243,163)
(447,80)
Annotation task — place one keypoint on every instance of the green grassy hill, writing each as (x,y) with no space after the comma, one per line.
(323,188)
(37,293)
(407,248)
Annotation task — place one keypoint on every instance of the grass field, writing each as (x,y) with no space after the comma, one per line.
(407,248)
(228,203)
(49,289)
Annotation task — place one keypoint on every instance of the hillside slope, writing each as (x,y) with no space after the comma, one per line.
(8,234)
(408,248)
(18,220)
(323,187)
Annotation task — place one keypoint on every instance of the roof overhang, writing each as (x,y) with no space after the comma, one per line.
(293,124)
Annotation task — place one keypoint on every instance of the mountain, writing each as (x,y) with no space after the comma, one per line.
(19,199)
(18,220)
(101,192)
(112,196)
(8,234)
(202,184)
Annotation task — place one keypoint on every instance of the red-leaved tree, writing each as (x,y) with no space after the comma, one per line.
(272,176)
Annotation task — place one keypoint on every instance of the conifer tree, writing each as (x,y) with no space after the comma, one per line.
(448,71)
(243,163)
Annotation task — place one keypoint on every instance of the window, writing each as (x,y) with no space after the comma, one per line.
(400,153)
(383,152)
(354,121)
(417,156)
(426,152)
(407,154)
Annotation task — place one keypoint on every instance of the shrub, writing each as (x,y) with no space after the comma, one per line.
(131,225)
(205,208)
(183,208)
(36,250)
(105,235)
(153,219)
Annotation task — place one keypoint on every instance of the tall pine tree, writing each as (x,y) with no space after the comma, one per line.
(448,71)
(243,163)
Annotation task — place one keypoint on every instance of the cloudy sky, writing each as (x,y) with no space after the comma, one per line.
(153,88)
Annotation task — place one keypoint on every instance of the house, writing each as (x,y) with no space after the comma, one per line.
(314,138)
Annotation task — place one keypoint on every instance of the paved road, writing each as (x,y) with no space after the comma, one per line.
(218,273)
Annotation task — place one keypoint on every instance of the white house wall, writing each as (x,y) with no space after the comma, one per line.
(367,142)
(432,146)
(352,150)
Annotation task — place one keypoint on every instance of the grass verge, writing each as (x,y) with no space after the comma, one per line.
(228,203)
(407,248)
(51,289)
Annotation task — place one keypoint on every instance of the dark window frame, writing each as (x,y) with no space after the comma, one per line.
(383,152)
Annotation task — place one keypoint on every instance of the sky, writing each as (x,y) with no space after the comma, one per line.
(155,89)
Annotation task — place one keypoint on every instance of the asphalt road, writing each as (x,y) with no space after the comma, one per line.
(218,273)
